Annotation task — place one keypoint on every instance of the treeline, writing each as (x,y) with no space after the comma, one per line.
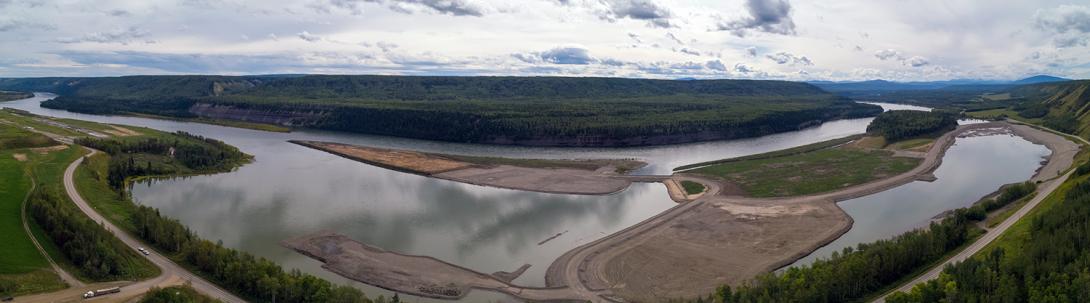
(897,125)
(555,111)
(856,273)
(176,294)
(193,153)
(85,243)
(252,277)
(1051,265)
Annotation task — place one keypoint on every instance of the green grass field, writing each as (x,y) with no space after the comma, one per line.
(808,173)
(691,187)
(17,254)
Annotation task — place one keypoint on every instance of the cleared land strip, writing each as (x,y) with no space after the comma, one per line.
(1048,184)
(172,274)
(64,275)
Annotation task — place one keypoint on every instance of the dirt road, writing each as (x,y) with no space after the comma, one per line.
(172,274)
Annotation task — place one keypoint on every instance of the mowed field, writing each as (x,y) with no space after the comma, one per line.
(23,269)
(808,173)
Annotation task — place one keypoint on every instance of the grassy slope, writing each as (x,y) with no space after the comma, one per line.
(808,173)
(17,255)
(691,187)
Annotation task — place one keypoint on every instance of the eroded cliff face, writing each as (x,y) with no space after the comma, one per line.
(285,117)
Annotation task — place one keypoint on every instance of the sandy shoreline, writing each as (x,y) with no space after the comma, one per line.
(685,251)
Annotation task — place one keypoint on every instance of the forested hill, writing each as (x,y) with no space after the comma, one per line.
(1061,105)
(547,111)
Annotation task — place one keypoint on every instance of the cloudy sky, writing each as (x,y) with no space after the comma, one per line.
(760,39)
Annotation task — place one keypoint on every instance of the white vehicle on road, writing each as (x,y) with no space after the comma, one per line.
(101,292)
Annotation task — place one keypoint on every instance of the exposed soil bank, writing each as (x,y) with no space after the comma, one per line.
(415,275)
(691,249)
(685,251)
(583,177)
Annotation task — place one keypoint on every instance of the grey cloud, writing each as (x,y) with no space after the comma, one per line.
(742,68)
(770,16)
(1063,19)
(559,55)
(788,58)
(635,37)
(675,38)
(688,51)
(751,51)
(654,13)
(858,48)
(917,61)
(309,37)
(716,65)
(445,7)
(1065,41)
(123,36)
(119,13)
(1070,24)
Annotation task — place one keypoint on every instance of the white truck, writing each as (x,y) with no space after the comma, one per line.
(101,292)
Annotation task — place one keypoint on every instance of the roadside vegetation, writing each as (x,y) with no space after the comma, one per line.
(692,188)
(176,294)
(553,111)
(103,179)
(897,125)
(1042,258)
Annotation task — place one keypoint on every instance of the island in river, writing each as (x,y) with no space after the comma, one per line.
(680,252)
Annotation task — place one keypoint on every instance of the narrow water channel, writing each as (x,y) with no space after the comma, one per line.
(290,190)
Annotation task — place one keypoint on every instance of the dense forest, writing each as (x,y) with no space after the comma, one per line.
(896,125)
(182,153)
(856,273)
(252,277)
(85,243)
(555,111)
(1051,265)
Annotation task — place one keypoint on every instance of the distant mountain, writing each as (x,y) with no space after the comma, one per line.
(883,85)
(1040,79)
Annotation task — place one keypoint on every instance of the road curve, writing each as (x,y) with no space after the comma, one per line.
(1044,190)
(171,272)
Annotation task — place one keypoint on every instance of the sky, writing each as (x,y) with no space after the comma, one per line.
(738,39)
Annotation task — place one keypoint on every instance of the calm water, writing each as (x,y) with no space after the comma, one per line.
(968,172)
(290,190)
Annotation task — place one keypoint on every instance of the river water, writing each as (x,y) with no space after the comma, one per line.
(291,190)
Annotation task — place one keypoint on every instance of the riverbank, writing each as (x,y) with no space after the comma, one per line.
(680,253)
(581,177)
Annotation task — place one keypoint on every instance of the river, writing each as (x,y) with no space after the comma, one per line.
(291,190)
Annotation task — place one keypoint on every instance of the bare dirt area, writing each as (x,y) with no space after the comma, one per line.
(46,150)
(719,238)
(581,177)
(401,160)
(716,243)
(19,157)
(121,131)
(416,275)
